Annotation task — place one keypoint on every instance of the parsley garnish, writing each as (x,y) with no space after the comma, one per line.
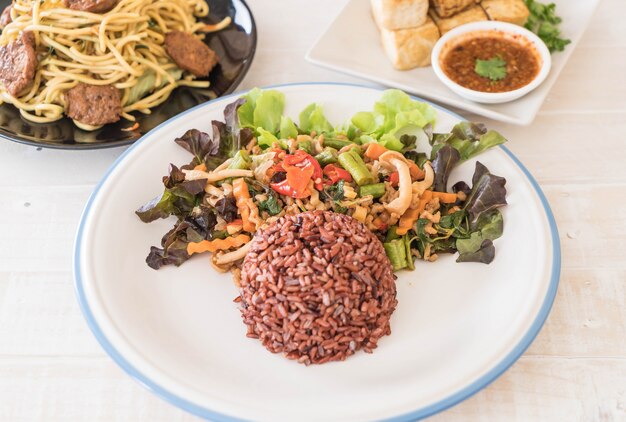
(494,68)
(543,21)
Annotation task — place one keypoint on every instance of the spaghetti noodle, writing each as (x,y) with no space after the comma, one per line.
(123,48)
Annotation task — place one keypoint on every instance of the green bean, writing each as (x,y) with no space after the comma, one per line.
(376,190)
(353,163)
(336,143)
(241,161)
(396,252)
(327,156)
(409,256)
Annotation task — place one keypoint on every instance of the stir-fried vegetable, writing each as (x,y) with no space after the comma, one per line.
(352,161)
(258,165)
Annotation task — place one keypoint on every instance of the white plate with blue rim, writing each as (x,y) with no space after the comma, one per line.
(457,326)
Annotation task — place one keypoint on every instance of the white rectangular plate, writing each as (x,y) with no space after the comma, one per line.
(351,44)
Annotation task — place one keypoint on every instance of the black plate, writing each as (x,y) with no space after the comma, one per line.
(235,47)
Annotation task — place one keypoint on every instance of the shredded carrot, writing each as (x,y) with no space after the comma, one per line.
(200,167)
(445,197)
(217,244)
(409,217)
(424,199)
(241,194)
(416,172)
(374,151)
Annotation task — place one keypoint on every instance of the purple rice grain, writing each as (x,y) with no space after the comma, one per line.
(317,287)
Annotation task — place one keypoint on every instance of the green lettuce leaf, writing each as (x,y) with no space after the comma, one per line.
(178,198)
(199,144)
(488,193)
(288,128)
(470,139)
(266,139)
(445,160)
(393,114)
(197,226)
(262,109)
(491,225)
(312,119)
(485,253)
(246,111)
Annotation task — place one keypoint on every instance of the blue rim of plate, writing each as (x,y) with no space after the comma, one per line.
(420,413)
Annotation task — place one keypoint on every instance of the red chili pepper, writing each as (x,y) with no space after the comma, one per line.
(335,174)
(284,189)
(302,159)
(297,182)
(275,169)
(301,168)
(394,178)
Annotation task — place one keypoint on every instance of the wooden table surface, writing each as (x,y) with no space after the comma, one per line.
(52,368)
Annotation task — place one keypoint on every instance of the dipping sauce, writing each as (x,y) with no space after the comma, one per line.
(520,57)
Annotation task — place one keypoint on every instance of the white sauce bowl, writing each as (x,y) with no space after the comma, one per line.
(508,30)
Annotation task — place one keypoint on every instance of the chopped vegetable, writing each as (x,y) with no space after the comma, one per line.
(241,161)
(335,174)
(376,190)
(327,156)
(407,220)
(217,244)
(288,128)
(488,193)
(337,143)
(312,120)
(262,109)
(221,209)
(394,112)
(360,213)
(470,139)
(270,205)
(242,195)
(296,182)
(305,146)
(352,162)
(445,197)
(374,151)
(445,160)
(301,159)
(396,252)
(227,208)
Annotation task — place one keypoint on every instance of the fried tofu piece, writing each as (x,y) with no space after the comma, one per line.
(399,14)
(473,14)
(513,11)
(447,8)
(411,47)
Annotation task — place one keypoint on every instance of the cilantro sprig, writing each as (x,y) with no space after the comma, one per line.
(544,22)
(494,68)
